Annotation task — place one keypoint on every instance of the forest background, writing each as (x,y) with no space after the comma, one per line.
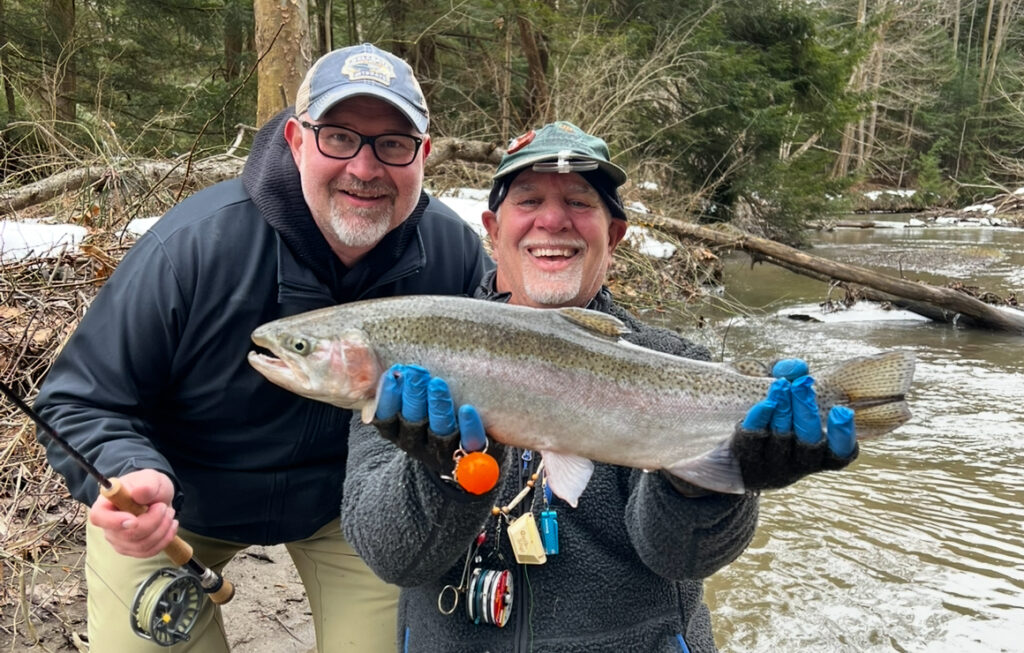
(764,113)
(765,110)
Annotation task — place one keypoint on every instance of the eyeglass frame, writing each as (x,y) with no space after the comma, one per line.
(363,140)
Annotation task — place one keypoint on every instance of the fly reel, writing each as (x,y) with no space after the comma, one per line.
(166,605)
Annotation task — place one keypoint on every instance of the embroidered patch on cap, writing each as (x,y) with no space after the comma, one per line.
(368,67)
(521,141)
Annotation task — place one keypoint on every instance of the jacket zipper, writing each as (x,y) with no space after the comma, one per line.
(522,638)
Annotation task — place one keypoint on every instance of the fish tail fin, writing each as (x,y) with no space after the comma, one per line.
(875,387)
(718,470)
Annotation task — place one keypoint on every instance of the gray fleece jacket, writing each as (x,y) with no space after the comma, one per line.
(633,555)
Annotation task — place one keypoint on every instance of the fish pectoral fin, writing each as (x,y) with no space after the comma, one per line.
(718,470)
(598,323)
(567,475)
(368,411)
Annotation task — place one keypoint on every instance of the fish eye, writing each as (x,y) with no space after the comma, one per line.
(300,346)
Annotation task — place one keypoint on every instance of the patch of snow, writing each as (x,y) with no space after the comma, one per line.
(22,239)
(862,311)
(638,207)
(873,195)
(647,185)
(984,208)
(139,226)
(642,240)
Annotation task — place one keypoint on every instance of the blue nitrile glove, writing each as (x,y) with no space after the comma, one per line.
(417,413)
(781,440)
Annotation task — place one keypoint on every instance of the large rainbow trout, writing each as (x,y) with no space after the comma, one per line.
(561,382)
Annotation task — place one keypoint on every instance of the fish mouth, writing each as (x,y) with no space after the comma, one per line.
(278,370)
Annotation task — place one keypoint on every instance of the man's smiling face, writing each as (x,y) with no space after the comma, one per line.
(356,201)
(553,239)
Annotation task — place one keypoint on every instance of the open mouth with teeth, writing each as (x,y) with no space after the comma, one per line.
(553,253)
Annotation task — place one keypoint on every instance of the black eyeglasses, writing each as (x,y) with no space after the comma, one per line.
(338,142)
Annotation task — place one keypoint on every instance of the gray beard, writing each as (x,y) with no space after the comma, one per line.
(548,294)
(360,229)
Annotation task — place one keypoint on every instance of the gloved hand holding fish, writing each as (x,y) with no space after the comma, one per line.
(417,413)
(781,440)
(562,382)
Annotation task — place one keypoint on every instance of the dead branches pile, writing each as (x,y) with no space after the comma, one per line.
(41,527)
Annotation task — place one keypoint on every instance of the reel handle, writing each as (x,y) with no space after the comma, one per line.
(179,551)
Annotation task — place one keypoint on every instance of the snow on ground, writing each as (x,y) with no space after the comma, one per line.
(873,195)
(30,239)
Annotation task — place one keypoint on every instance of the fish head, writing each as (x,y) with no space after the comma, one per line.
(341,369)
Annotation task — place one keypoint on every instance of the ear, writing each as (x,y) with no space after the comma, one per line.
(426,146)
(491,224)
(490,220)
(616,232)
(293,134)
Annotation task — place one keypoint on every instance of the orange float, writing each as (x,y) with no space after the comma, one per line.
(476,472)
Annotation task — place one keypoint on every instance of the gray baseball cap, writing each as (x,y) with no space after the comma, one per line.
(362,70)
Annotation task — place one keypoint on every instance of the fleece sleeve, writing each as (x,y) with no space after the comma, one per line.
(406,523)
(683,537)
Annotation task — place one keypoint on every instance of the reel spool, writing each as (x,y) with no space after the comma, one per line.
(489,597)
(166,605)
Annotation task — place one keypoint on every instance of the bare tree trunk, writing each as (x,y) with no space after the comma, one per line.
(842,164)
(956,28)
(61,19)
(4,75)
(327,32)
(506,88)
(234,42)
(282,32)
(353,25)
(850,132)
(997,44)
(909,129)
(876,84)
(982,64)
(538,98)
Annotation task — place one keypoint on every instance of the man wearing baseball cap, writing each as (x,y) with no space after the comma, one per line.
(518,567)
(154,386)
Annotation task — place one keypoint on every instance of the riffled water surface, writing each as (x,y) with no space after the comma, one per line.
(919,546)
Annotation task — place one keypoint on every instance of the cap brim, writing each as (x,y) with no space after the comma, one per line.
(322,104)
(617,174)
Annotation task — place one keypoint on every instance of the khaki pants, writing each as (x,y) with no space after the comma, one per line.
(353,610)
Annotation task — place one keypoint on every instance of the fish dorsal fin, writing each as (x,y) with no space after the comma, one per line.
(567,475)
(750,367)
(596,322)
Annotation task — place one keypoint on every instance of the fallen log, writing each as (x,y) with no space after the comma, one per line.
(145,174)
(940,304)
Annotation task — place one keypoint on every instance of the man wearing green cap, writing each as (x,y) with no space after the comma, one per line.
(624,570)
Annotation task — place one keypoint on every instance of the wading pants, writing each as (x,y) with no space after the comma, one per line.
(352,609)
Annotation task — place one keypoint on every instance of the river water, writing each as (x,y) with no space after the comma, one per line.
(919,546)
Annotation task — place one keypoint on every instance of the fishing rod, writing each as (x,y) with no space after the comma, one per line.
(167,603)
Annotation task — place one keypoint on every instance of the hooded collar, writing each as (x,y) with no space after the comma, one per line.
(272,180)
